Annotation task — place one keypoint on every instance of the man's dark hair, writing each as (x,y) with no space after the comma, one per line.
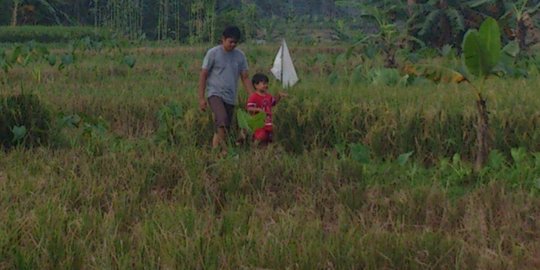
(259,77)
(232,32)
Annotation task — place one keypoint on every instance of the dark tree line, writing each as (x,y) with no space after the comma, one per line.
(161,19)
(436,22)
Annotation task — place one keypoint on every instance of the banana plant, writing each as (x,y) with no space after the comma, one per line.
(481,54)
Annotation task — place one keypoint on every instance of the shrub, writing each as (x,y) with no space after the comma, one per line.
(24,120)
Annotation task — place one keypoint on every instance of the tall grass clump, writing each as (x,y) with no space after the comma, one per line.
(24,120)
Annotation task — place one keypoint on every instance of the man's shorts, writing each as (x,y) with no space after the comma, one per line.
(223,112)
(262,135)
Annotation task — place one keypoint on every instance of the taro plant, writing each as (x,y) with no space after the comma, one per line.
(24,120)
(250,122)
(129,60)
(25,55)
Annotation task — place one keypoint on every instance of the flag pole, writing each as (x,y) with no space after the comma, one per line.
(282,51)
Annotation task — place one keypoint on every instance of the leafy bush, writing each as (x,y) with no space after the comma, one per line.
(24,120)
(49,34)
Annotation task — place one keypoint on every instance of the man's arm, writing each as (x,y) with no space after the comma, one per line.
(246,82)
(203,76)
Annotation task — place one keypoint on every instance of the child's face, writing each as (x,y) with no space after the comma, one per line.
(261,87)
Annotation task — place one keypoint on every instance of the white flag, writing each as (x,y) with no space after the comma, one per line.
(283,67)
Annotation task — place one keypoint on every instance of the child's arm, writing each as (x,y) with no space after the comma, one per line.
(279,96)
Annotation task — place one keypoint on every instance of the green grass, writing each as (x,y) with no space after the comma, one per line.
(119,189)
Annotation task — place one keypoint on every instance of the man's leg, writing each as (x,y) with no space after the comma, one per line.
(222,117)
(219,139)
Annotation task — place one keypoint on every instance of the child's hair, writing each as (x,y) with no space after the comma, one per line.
(259,77)
(232,32)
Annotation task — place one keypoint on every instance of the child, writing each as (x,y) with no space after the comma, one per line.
(262,101)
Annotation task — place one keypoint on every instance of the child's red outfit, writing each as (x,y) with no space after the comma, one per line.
(265,102)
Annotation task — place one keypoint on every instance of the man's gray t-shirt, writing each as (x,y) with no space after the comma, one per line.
(224,69)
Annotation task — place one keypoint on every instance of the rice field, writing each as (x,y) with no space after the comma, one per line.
(362,175)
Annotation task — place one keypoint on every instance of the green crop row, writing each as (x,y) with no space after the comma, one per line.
(49,34)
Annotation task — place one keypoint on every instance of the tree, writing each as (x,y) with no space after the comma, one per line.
(440,22)
(15,11)
(391,35)
(515,15)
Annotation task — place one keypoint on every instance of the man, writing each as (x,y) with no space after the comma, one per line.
(221,68)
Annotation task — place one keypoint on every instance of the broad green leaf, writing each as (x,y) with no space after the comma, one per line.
(333,78)
(490,34)
(67,59)
(51,58)
(496,159)
(71,121)
(403,158)
(360,153)
(340,149)
(129,60)
(506,65)
(512,49)
(4,63)
(19,132)
(15,54)
(482,49)
(519,155)
(250,122)
(472,53)
(357,75)
(384,76)
(447,50)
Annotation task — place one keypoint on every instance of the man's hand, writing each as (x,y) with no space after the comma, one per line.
(281,95)
(202,85)
(203,104)
(246,82)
